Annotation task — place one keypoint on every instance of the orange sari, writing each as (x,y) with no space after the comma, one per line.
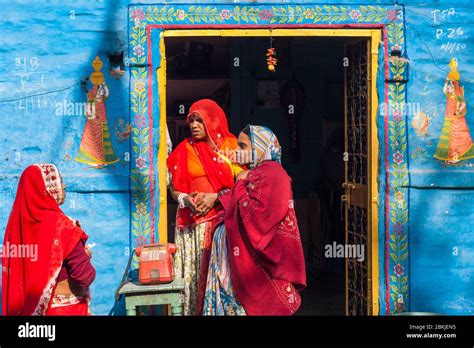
(455,143)
(197,166)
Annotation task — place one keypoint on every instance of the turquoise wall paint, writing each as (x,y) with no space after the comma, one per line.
(440,197)
(441,249)
(58,43)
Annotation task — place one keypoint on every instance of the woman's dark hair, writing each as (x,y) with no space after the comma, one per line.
(246,130)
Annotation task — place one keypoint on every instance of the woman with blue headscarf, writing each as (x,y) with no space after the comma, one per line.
(257,264)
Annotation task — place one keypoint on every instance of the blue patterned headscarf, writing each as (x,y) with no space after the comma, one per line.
(265,146)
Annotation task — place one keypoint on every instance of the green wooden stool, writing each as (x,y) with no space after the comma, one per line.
(137,294)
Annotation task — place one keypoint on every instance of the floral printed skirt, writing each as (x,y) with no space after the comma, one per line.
(220,298)
(189,245)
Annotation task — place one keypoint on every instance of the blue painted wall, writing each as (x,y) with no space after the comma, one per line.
(47,47)
(441,196)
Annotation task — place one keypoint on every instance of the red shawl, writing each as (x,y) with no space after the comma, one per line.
(265,253)
(36,221)
(197,159)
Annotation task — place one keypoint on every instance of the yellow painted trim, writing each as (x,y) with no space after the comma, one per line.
(375,37)
(268,32)
(162,150)
(373,147)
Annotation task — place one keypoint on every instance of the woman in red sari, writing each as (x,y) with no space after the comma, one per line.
(200,170)
(56,280)
(257,265)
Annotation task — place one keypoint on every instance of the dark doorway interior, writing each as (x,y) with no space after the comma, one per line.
(233,72)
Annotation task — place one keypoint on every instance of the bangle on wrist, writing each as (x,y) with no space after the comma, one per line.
(181,200)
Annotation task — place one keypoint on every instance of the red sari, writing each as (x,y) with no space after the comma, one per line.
(196,166)
(37,221)
(265,254)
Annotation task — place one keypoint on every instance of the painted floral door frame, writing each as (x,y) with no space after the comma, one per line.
(146,22)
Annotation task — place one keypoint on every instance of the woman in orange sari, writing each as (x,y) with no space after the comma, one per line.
(54,278)
(200,171)
(455,143)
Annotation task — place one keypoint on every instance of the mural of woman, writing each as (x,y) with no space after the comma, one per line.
(455,142)
(96,146)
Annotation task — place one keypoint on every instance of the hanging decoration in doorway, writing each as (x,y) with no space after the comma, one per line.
(455,143)
(96,146)
(271,57)
(271,60)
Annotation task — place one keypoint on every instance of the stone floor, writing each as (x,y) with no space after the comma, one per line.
(324,295)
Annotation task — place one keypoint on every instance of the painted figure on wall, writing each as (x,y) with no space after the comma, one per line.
(455,142)
(96,146)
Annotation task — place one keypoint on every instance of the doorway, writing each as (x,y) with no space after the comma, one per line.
(230,67)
